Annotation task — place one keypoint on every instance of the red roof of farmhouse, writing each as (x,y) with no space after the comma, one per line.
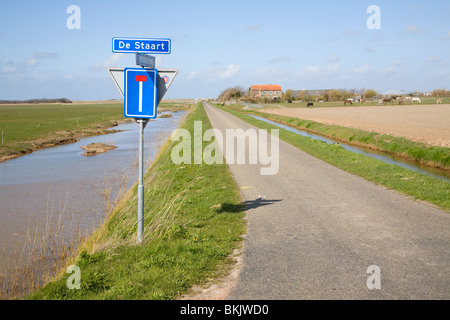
(266,87)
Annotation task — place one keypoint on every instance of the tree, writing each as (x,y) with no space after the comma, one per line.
(231,93)
(369,94)
(287,96)
(346,95)
(335,95)
(301,95)
(440,93)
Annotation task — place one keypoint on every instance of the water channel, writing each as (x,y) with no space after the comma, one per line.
(59,188)
(440,174)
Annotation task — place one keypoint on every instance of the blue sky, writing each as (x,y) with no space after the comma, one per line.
(219,44)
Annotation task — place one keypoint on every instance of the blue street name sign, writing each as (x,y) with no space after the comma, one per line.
(140,96)
(145,60)
(130,45)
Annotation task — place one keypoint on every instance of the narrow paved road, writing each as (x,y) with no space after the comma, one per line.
(313,231)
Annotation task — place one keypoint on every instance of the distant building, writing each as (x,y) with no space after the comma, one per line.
(270,91)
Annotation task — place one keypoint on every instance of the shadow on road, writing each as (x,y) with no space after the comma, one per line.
(259,202)
(246,205)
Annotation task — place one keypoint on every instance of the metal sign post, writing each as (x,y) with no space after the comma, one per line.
(142,89)
(140,223)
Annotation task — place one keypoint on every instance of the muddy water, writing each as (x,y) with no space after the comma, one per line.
(57,192)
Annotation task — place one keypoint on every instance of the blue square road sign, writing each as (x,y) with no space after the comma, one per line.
(140,96)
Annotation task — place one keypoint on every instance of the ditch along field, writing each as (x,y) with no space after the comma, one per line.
(429,124)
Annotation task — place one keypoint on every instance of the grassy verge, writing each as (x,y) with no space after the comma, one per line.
(30,127)
(193,221)
(416,185)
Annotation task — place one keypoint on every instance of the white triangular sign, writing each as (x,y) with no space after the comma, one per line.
(118,79)
(164,80)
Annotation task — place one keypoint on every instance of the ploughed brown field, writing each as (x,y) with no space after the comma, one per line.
(422,123)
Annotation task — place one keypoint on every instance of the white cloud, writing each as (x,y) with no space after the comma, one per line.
(253,27)
(333,58)
(436,62)
(33,61)
(328,70)
(363,69)
(192,75)
(213,74)
(395,66)
(350,33)
(111,61)
(280,59)
(9,67)
(368,50)
(39,57)
(230,71)
(42,76)
(433,59)
(413,29)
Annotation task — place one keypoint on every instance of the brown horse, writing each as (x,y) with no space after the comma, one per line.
(348,101)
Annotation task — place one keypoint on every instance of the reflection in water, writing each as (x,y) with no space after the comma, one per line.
(58,192)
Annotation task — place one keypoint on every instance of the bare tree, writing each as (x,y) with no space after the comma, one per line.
(231,93)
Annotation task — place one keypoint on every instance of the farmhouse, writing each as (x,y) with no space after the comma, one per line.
(270,91)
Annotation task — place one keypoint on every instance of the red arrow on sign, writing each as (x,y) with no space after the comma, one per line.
(140,79)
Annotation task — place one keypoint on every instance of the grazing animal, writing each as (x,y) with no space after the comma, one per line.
(348,101)
(438,101)
(309,104)
(415,99)
(387,100)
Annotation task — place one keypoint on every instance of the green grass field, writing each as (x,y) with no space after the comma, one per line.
(29,127)
(28,122)
(193,222)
